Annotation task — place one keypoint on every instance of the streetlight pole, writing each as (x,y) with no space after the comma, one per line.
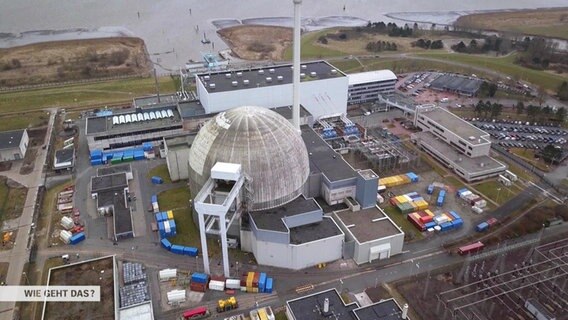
(498,193)
(237,263)
(26,276)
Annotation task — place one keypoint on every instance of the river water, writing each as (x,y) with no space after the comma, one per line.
(172,29)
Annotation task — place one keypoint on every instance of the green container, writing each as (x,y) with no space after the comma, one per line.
(127,159)
(116,160)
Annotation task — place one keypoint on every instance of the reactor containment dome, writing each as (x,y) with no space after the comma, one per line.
(271,151)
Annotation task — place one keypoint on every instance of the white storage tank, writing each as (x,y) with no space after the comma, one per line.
(164,114)
(158,114)
(127,118)
(216,285)
(121,119)
(146,116)
(167,274)
(140,117)
(65,236)
(115,120)
(170,113)
(67,223)
(152,115)
(176,296)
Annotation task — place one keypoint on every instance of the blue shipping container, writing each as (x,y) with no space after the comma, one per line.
(268,288)
(96,162)
(430,224)
(166,244)
(154,198)
(446,226)
(262,282)
(76,238)
(96,154)
(190,251)
(177,249)
(442,193)
(199,277)
(157,180)
(482,227)
(147,146)
(172,225)
(139,155)
(457,223)
(430,189)
(455,215)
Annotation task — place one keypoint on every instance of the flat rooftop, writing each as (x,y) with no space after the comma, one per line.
(122,215)
(114,169)
(99,125)
(257,77)
(64,156)
(191,109)
(457,125)
(323,159)
(470,165)
(368,174)
(452,82)
(384,310)
(286,112)
(142,311)
(371,76)
(11,139)
(367,224)
(108,182)
(311,307)
(271,219)
(177,143)
(149,101)
(96,272)
(315,231)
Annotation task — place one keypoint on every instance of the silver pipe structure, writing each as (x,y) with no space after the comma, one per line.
(296,64)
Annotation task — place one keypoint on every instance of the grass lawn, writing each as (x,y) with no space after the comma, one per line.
(309,50)
(504,65)
(187,232)
(528,155)
(490,189)
(24,120)
(12,200)
(455,182)
(520,172)
(160,171)
(435,166)
(94,94)
(400,220)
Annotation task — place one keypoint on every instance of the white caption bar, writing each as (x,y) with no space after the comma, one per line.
(50,293)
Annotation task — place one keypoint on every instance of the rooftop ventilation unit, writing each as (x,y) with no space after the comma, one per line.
(228,75)
(260,71)
(280,78)
(271,70)
(304,67)
(313,74)
(239,74)
(333,71)
(211,86)
(268,79)
(302,75)
(471,138)
(234,83)
(206,78)
(246,82)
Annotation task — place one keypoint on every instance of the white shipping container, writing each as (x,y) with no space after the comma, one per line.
(216,285)
(481,203)
(65,236)
(176,296)
(465,194)
(67,223)
(167,274)
(167,226)
(477,209)
(233,284)
(441,219)
(65,207)
(156,208)
(380,199)
(408,199)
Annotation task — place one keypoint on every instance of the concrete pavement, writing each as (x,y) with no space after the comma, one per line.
(19,255)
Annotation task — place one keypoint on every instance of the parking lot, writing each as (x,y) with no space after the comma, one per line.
(517,134)
(417,87)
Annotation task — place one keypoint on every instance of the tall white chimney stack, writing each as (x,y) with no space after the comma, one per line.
(326,305)
(405,311)
(296,64)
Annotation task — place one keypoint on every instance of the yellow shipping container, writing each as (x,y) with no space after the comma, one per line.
(170,214)
(404,178)
(250,279)
(428,212)
(401,199)
(450,218)
(416,215)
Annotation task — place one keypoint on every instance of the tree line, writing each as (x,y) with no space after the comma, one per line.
(487,109)
(428,44)
(381,46)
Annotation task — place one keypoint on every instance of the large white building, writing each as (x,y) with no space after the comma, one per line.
(456,143)
(366,86)
(323,88)
(13,145)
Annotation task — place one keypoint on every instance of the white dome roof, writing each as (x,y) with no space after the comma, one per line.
(270,150)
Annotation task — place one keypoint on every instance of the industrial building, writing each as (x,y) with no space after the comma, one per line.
(329,305)
(64,160)
(323,88)
(13,145)
(250,168)
(461,85)
(177,156)
(456,143)
(110,191)
(366,86)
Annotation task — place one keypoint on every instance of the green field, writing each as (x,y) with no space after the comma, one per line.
(95,94)
(504,65)
(160,171)
(24,120)
(490,189)
(12,200)
(400,220)
(311,51)
(455,182)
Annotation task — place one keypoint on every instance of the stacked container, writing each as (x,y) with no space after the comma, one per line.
(399,180)
(410,202)
(217,285)
(262,282)
(76,238)
(199,282)
(155,206)
(269,284)
(233,284)
(441,198)
(96,157)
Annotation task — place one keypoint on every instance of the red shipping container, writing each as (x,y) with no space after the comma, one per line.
(255,280)
(426,219)
(416,222)
(491,222)
(198,287)
(218,278)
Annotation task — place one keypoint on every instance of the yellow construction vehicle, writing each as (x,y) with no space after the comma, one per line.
(227,304)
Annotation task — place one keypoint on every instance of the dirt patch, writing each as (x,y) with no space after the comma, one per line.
(98,272)
(257,42)
(60,61)
(29,161)
(12,198)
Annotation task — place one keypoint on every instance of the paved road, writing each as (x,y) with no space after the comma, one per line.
(19,255)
